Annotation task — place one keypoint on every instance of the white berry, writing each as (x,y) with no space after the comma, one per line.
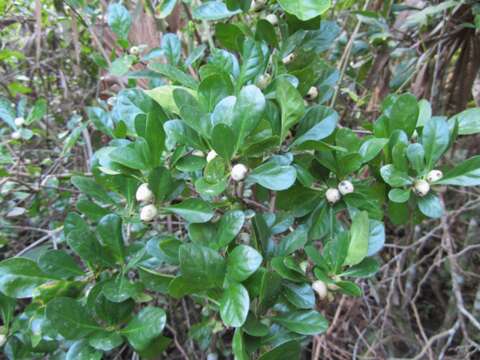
(239,172)
(134,50)
(144,194)
(421,187)
(320,288)
(345,187)
(212,154)
(434,175)
(263,81)
(272,19)
(16,135)
(288,59)
(312,93)
(148,213)
(19,121)
(332,195)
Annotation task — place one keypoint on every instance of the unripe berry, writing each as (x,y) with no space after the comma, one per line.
(312,93)
(272,19)
(19,121)
(434,175)
(239,172)
(144,194)
(16,135)
(134,50)
(263,81)
(345,187)
(212,154)
(421,188)
(148,213)
(320,288)
(288,59)
(332,195)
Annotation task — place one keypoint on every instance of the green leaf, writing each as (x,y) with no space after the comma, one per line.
(160,182)
(287,350)
(171,48)
(229,36)
(371,148)
(90,187)
(81,350)
(121,65)
(404,114)
(155,136)
(466,173)
(367,268)
(59,264)
(212,10)
(359,233)
(173,74)
(7,112)
(230,225)
(270,286)
(311,128)
(166,8)
(468,121)
(430,205)
(349,288)
(163,95)
(85,245)
(19,277)
(179,133)
(399,195)
(273,176)
(119,19)
(300,295)
(70,318)
(291,105)
(376,239)
(416,156)
(305,9)
(144,327)
(248,111)
(293,241)
(242,262)
(214,88)
(128,156)
(303,322)
(193,210)
(238,346)
(394,177)
(105,341)
(435,140)
(120,289)
(202,265)
(222,143)
(110,230)
(253,61)
(234,305)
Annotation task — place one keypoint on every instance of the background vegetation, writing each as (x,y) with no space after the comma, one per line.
(66,68)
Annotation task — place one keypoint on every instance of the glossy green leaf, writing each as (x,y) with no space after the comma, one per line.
(395,177)
(287,350)
(81,350)
(59,264)
(466,173)
(19,277)
(293,241)
(367,268)
(109,229)
(404,114)
(242,262)
(399,195)
(359,233)
(230,225)
(193,210)
(435,140)
(305,9)
(468,121)
(212,10)
(160,182)
(308,322)
(238,346)
(299,295)
(234,305)
(119,19)
(371,148)
(291,105)
(105,341)
(430,205)
(273,176)
(145,327)
(222,143)
(202,264)
(70,318)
